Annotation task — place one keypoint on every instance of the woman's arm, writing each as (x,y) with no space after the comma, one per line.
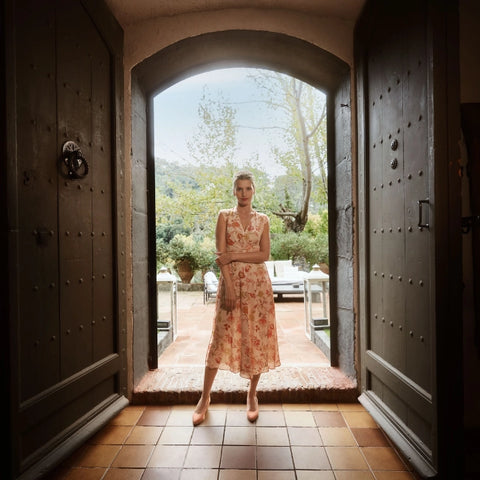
(255,257)
(221,245)
(250,257)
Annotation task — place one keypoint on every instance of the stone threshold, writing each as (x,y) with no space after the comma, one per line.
(175,385)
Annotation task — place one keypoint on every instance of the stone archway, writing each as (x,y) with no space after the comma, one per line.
(251,49)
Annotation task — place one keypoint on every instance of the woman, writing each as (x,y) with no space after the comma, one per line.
(244,337)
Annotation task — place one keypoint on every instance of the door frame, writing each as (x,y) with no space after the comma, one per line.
(247,49)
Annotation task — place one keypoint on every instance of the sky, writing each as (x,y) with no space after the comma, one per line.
(176,116)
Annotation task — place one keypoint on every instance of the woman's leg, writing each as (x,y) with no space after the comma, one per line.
(252,390)
(208,378)
(252,401)
(202,406)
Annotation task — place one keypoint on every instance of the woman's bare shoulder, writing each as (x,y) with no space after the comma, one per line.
(225,211)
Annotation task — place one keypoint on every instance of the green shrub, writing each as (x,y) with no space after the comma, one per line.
(300,247)
(206,254)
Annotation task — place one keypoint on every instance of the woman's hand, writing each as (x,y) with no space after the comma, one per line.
(229,300)
(224,258)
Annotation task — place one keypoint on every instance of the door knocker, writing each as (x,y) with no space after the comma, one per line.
(73,164)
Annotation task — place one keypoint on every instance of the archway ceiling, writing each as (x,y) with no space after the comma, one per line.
(129,12)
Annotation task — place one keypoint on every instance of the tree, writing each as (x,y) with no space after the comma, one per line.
(304,153)
(215,141)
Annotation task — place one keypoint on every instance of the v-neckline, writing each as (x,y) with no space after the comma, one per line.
(245,227)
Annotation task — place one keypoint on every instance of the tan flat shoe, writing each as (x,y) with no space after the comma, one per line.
(252,415)
(199,416)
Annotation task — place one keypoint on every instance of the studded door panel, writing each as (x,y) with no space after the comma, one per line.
(37,249)
(85,206)
(398,345)
(65,300)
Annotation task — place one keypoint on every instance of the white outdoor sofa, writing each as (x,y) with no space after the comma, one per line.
(286,278)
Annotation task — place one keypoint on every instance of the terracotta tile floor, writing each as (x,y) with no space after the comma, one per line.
(288,442)
(305,373)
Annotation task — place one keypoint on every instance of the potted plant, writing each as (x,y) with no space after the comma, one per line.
(181,250)
(189,255)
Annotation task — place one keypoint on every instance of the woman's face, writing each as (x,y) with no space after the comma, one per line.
(244,192)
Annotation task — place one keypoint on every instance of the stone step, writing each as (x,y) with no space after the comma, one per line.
(289,384)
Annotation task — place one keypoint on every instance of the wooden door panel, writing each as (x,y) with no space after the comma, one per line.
(65,306)
(103,314)
(397,351)
(37,206)
(86,209)
(76,316)
(38,329)
(417,242)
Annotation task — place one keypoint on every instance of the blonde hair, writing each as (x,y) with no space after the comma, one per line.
(243,175)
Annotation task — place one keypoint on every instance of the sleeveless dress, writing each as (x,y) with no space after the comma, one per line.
(244,340)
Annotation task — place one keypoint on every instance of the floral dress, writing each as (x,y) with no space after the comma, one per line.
(244,340)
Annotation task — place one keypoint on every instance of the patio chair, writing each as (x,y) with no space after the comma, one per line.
(210,286)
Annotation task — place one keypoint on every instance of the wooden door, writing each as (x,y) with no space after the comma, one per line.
(404,202)
(66,265)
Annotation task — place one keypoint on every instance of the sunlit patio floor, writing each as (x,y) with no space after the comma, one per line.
(304,376)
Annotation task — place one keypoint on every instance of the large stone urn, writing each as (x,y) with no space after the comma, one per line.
(185,271)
